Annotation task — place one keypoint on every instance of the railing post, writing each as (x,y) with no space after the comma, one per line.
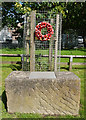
(22,61)
(56,42)
(70,62)
(32,43)
(27,38)
(51,49)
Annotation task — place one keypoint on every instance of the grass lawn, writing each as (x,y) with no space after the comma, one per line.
(6,69)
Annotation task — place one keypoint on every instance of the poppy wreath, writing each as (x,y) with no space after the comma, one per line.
(38,33)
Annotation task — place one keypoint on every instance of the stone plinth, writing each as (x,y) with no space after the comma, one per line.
(43,92)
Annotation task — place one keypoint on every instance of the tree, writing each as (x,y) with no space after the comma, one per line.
(75,17)
(10,17)
(74,14)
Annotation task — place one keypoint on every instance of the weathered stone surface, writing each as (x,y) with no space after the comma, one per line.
(59,94)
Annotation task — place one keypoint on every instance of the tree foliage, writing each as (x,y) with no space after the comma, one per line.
(76,17)
(10,17)
(74,14)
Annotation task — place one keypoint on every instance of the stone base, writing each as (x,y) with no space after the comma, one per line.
(43,92)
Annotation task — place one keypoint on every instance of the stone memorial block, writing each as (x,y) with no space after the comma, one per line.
(43,92)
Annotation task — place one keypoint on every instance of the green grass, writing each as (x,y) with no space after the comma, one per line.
(44,52)
(7,69)
(11,51)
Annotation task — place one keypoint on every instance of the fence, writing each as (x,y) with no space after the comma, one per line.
(42,55)
(70,62)
(36,48)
